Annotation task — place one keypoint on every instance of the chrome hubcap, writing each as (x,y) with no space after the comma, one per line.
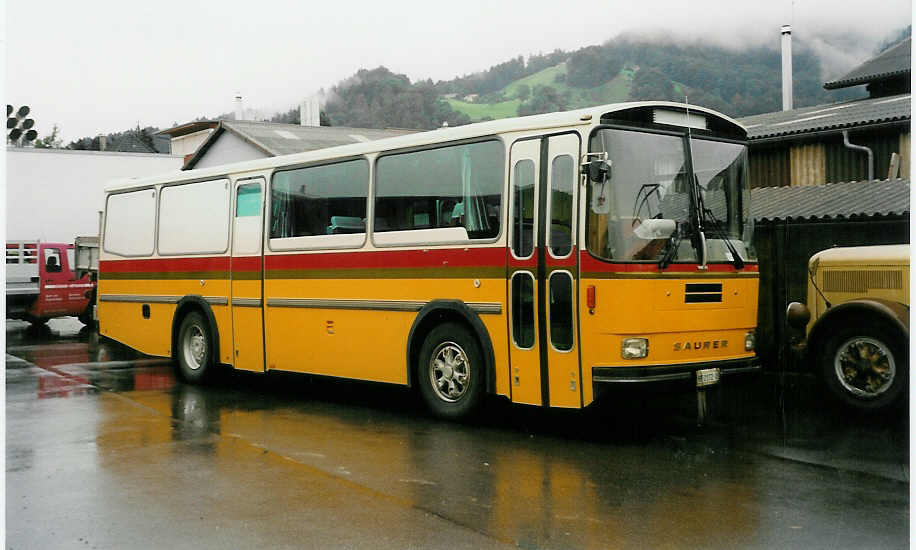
(449,372)
(865,367)
(195,347)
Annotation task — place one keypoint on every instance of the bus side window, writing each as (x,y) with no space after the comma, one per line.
(329,199)
(452,186)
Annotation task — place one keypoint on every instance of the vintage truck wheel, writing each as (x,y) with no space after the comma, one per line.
(865,367)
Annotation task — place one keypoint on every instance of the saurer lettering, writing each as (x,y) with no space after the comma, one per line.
(705,344)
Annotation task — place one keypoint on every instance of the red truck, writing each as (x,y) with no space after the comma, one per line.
(43,281)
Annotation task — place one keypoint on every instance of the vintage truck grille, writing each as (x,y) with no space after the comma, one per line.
(862,281)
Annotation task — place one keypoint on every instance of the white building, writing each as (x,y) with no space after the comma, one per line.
(56,194)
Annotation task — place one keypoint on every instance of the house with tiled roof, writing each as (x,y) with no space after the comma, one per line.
(861,139)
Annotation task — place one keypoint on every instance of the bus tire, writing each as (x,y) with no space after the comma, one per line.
(865,367)
(451,372)
(195,348)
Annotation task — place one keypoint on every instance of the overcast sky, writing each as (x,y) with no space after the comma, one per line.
(104,66)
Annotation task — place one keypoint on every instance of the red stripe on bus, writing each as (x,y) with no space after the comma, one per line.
(165,265)
(246,263)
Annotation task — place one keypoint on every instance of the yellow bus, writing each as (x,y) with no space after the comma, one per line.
(539,258)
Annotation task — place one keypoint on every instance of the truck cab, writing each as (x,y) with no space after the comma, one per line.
(41,283)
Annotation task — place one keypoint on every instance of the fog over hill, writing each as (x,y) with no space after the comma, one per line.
(738,76)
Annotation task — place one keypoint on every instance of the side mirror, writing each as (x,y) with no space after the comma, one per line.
(599,171)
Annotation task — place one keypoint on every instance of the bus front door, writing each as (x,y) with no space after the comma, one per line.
(543,271)
(247,270)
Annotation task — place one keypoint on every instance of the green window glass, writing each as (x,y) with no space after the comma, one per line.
(248,201)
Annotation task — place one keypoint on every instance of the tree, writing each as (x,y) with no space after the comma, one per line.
(523,92)
(652,84)
(592,66)
(50,141)
(544,99)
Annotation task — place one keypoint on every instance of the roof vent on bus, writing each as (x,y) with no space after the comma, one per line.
(677,118)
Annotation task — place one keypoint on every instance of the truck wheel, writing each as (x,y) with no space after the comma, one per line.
(450,372)
(195,348)
(865,367)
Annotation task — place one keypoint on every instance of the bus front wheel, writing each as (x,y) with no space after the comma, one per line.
(195,348)
(450,371)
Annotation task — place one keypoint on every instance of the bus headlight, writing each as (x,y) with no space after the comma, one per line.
(634,348)
(750,341)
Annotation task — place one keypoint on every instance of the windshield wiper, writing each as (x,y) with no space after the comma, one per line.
(671,247)
(717,227)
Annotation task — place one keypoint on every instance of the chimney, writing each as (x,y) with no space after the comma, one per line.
(310,112)
(787,67)
(238,107)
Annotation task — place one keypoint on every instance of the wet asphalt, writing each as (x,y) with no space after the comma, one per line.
(106,449)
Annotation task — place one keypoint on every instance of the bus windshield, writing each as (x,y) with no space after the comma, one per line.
(645,212)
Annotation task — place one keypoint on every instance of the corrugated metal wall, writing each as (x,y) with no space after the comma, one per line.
(769,167)
(845,164)
(905,155)
(808,163)
(826,160)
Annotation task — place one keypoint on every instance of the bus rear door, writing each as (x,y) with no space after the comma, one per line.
(247,276)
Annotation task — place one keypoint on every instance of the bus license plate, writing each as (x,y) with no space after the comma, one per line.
(707,377)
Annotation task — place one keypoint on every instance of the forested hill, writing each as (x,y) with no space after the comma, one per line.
(737,83)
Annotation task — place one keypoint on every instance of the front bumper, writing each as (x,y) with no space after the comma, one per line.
(667,373)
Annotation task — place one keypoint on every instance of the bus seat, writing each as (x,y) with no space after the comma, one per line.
(346,224)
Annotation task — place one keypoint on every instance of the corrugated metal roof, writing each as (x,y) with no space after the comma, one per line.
(892,62)
(828,117)
(284,139)
(858,198)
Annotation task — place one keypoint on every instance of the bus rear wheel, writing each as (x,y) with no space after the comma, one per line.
(195,348)
(450,372)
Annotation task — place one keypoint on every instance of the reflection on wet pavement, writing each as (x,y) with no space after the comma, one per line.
(134,458)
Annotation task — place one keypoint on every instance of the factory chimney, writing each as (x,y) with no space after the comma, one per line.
(238,107)
(787,67)
(310,112)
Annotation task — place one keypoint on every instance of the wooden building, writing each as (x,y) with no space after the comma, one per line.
(861,139)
